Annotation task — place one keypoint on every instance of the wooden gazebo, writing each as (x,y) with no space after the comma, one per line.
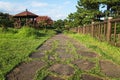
(25,18)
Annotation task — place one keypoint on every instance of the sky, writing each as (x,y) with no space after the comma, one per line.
(56,9)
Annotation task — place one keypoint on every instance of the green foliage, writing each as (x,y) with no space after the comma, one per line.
(5,20)
(94,5)
(59,25)
(28,32)
(9,30)
(89,4)
(113,8)
(14,48)
(89,10)
(103,48)
(42,74)
(73,20)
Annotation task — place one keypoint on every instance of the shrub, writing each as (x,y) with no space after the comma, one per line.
(28,32)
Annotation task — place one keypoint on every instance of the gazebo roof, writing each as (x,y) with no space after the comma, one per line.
(26,14)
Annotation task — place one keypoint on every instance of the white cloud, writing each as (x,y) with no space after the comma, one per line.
(60,16)
(38,4)
(5,5)
(11,7)
(53,10)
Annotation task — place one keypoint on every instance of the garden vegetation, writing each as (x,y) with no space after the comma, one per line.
(17,44)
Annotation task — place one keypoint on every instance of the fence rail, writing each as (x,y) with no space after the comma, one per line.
(104,31)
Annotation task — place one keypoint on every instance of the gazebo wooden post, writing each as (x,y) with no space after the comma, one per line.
(19,24)
(26,21)
(33,21)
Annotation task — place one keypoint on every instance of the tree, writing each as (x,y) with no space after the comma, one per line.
(89,10)
(81,17)
(113,8)
(88,4)
(59,24)
(5,20)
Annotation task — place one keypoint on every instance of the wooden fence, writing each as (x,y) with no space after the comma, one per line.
(104,31)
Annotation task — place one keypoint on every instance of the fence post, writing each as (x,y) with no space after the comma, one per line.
(78,29)
(105,29)
(83,29)
(109,30)
(92,29)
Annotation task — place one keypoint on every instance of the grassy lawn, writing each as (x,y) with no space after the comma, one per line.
(16,46)
(106,50)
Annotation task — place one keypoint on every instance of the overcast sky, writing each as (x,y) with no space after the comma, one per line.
(56,9)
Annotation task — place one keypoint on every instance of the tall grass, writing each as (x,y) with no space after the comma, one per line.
(106,50)
(16,46)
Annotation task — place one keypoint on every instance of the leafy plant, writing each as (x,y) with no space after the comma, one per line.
(16,46)
(28,32)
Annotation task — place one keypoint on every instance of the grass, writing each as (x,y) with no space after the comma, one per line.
(102,48)
(70,49)
(42,73)
(16,46)
(106,50)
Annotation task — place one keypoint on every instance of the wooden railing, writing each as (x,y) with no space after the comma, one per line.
(104,31)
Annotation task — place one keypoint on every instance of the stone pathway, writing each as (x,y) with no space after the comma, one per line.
(110,69)
(26,71)
(63,58)
(90,77)
(84,64)
(62,69)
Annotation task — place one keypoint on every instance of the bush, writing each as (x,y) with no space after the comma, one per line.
(28,32)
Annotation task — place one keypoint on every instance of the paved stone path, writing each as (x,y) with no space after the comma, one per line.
(65,59)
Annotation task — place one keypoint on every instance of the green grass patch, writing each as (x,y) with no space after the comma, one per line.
(106,50)
(41,74)
(17,45)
